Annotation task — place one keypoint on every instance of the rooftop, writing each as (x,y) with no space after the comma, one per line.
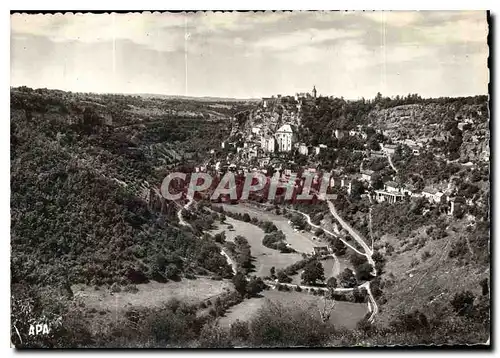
(392,184)
(285,128)
(390,146)
(430,190)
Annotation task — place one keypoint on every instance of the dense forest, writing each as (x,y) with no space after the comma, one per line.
(75,211)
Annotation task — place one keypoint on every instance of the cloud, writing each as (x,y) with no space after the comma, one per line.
(341,51)
(303,37)
(164,32)
(394,18)
(473,28)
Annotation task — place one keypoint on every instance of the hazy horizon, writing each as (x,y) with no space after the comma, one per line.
(247,56)
(233,98)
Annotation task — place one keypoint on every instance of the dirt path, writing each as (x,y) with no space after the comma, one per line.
(230,261)
(336,267)
(367,253)
(391,163)
(308,218)
(179,213)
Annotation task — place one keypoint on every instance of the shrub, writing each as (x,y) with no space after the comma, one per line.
(239,331)
(463,302)
(214,336)
(275,326)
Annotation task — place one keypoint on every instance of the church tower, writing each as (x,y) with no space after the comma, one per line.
(314,92)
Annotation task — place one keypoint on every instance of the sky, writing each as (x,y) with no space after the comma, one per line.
(249,55)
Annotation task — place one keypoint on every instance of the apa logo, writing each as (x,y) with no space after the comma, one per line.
(36,329)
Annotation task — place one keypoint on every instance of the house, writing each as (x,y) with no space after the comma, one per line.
(284,138)
(415,150)
(300,95)
(389,148)
(391,187)
(270,101)
(320,250)
(432,194)
(377,154)
(268,144)
(316,150)
(391,197)
(367,175)
(408,189)
(264,161)
(346,183)
(303,149)
(256,130)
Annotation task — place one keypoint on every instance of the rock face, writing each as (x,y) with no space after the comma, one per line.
(425,122)
(267,120)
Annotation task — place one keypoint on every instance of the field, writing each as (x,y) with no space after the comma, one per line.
(345,314)
(300,241)
(150,295)
(265,258)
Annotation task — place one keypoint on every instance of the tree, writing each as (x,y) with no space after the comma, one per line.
(331,283)
(220,237)
(463,302)
(313,272)
(282,277)
(347,278)
(377,182)
(240,283)
(172,272)
(379,261)
(299,221)
(254,286)
(272,271)
(357,259)
(239,331)
(364,271)
(339,247)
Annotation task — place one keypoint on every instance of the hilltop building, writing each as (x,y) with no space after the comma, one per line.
(284,138)
(304,95)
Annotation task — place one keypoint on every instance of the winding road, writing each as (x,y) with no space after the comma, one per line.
(372,304)
(368,252)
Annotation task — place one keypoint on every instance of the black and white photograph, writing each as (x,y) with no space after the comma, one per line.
(250,179)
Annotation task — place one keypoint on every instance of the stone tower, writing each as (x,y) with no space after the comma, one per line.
(314,91)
